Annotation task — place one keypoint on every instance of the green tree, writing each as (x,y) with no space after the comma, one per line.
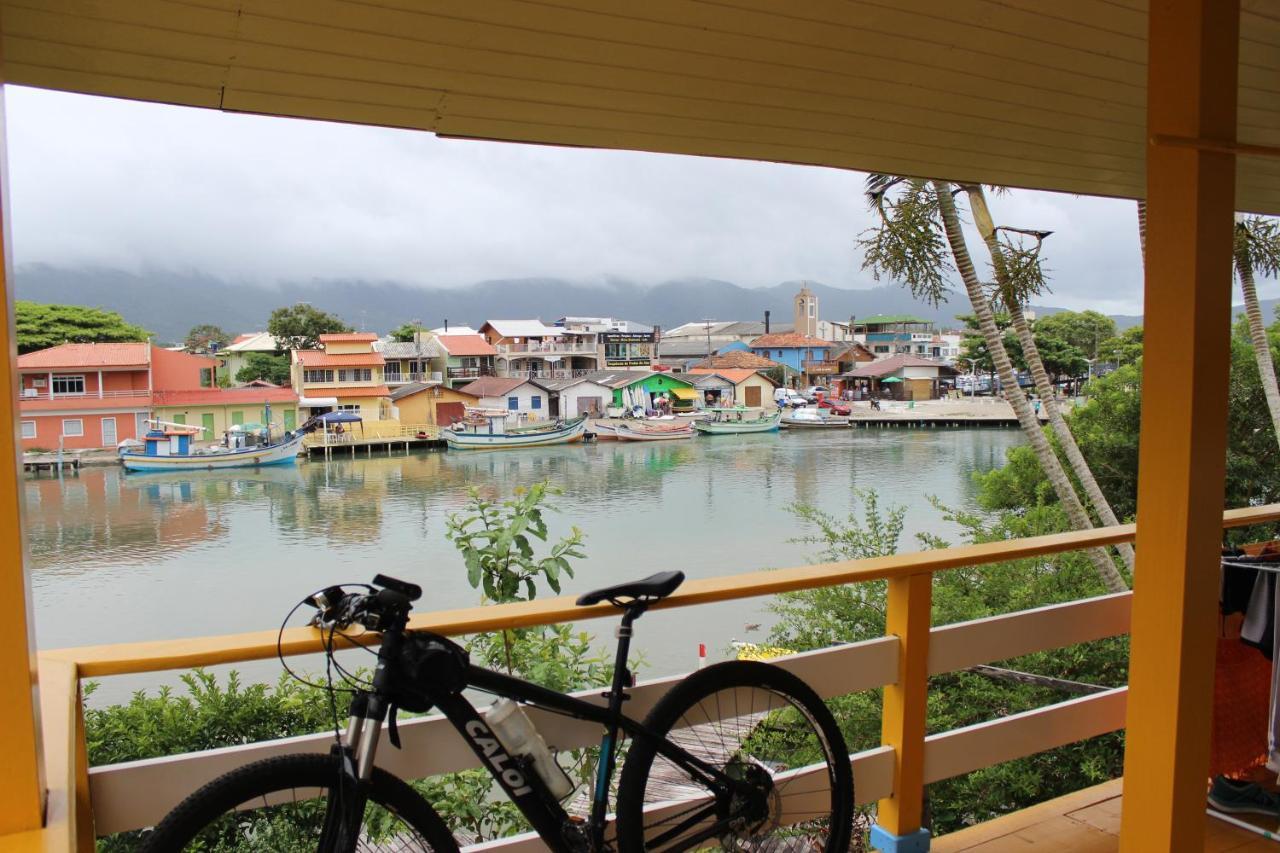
(41,325)
(270,367)
(1084,330)
(300,326)
(1125,348)
(404,333)
(205,336)
(1059,357)
(1257,251)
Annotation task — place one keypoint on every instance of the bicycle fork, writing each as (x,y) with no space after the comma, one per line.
(344,813)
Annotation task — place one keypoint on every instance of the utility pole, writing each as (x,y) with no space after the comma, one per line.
(706,324)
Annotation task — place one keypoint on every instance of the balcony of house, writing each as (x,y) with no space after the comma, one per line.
(468,372)
(103,800)
(33,395)
(821,368)
(547,346)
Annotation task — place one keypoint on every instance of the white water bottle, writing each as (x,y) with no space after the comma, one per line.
(516,731)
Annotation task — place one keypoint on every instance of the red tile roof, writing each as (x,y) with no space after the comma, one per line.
(348,338)
(353,391)
(493,386)
(319,358)
(736,375)
(225,396)
(466,345)
(790,340)
(87,356)
(738,359)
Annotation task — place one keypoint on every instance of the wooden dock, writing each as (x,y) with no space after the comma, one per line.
(52,462)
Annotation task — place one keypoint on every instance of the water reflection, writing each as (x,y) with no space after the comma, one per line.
(119,557)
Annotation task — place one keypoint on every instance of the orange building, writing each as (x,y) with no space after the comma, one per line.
(86,396)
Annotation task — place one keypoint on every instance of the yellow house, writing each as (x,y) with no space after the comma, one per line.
(430,403)
(750,387)
(219,409)
(346,375)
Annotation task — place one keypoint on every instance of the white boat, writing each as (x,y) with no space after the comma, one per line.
(811,417)
(488,431)
(733,421)
(605,431)
(634,432)
(163,453)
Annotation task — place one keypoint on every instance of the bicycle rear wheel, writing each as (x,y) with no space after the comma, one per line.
(755,723)
(278,804)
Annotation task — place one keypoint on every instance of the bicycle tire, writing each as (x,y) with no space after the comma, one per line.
(259,780)
(677,705)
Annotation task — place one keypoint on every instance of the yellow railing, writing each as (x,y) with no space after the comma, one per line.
(903,661)
(370,431)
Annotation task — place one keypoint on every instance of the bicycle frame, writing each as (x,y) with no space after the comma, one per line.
(516,776)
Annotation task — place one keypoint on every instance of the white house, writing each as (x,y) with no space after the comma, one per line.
(516,394)
(573,397)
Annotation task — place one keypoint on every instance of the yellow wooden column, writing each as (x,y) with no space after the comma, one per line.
(1191,93)
(902,718)
(22,782)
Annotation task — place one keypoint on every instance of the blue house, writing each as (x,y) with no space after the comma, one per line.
(810,357)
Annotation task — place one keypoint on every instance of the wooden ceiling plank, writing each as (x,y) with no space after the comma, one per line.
(689,51)
(270,35)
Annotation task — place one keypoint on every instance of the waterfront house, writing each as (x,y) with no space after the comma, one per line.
(891,334)
(747,387)
(346,375)
(516,394)
(631,388)
(900,377)
(219,409)
(233,355)
(430,402)
(530,348)
(83,396)
(461,358)
(619,343)
(581,395)
(807,356)
(407,361)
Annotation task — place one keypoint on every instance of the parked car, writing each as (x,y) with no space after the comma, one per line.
(836,407)
(788,397)
(811,393)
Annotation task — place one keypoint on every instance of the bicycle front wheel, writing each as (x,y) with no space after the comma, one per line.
(757,724)
(279,804)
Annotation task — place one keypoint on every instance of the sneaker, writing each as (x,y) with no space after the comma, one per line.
(1232,797)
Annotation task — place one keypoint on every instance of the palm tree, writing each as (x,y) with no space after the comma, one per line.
(1015,282)
(909,248)
(1257,249)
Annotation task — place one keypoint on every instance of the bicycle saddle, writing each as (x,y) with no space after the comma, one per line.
(649,589)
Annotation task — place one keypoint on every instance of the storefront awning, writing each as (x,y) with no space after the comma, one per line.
(317,402)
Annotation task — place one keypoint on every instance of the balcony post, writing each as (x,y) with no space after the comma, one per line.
(902,717)
(22,782)
(1191,93)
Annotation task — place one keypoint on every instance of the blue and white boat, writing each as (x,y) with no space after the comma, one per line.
(168,447)
(482,430)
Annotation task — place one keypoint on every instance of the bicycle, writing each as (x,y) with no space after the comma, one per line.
(755,757)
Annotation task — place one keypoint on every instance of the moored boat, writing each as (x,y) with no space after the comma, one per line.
(733,421)
(168,447)
(813,418)
(481,430)
(605,431)
(651,432)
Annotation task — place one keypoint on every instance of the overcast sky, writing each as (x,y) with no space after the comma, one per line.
(136,186)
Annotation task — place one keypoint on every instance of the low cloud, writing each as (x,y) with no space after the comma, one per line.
(105,182)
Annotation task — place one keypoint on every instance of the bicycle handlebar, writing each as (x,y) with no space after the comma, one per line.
(385,608)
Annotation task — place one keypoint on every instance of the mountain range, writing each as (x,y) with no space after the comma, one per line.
(169,303)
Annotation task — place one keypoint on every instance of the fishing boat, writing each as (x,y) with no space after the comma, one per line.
(169,447)
(605,431)
(654,432)
(488,430)
(732,421)
(813,418)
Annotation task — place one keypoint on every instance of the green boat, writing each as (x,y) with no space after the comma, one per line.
(732,421)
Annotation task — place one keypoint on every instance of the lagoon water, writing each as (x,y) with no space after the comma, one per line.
(119,557)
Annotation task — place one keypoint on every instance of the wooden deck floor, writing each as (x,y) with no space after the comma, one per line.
(1087,821)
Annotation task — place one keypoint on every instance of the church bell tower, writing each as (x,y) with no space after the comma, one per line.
(806,312)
